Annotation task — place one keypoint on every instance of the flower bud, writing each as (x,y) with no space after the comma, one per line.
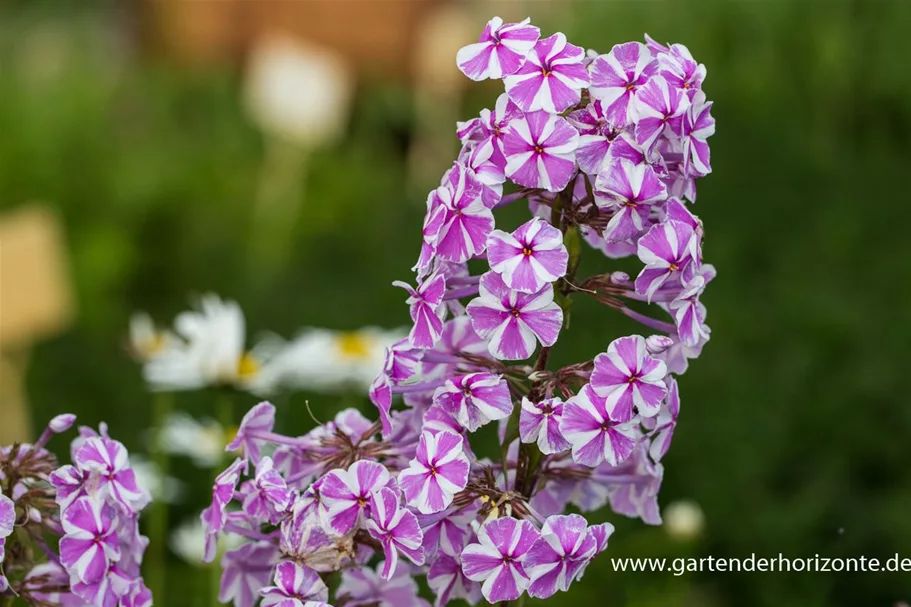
(656,344)
(62,423)
(619,278)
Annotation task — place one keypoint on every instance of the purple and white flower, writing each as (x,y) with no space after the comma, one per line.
(529,258)
(616,76)
(474,399)
(501,50)
(667,250)
(660,108)
(560,556)
(257,422)
(345,494)
(627,378)
(396,528)
(110,461)
(594,435)
(629,190)
(497,559)
(540,422)
(268,495)
(90,541)
(540,151)
(438,471)
(458,220)
(246,571)
(551,79)
(513,321)
(293,581)
(427,310)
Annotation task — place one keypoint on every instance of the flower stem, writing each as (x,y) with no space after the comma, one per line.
(158,521)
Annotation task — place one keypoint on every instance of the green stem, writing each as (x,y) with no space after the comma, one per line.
(158,521)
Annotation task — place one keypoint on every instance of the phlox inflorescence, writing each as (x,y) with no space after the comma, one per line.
(605,150)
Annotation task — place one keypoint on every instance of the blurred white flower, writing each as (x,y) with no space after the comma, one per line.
(325,360)
(211,352)
(146,340)
(684,520)
(149,478)
(202,441)
(298,92)
(188,542)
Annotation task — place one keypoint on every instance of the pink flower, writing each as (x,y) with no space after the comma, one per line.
(552,78)
(90,542)
(594,435)
(629,190)
(627,377)
(108,459)
(458,222)
(512,320)
(294,581)
(540,423)
(616,76)
(659,108)
(668,251)
(474,399)
(253,431)
(268,495)
(427,310)
(345,494)
(498,556)
(540,151)
(560,556)
(529,258)
(500,51)
(396,528)
(438,471)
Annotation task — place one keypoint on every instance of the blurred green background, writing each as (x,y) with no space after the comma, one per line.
(794,436)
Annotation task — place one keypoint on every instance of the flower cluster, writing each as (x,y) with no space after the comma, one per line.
(605,148)
(92,506)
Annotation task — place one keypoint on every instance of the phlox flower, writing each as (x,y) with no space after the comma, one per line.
(627,378)
(215,516)
(447,581)
(109,460)
(245,571)
(345,494)
(458,221)
(293,581)
(497,559)
(254,429)
(629,190)
(529,258)
(594,435)
(90,541)
(540,151)
(474,399)
(667,250)
(363,586)
(501,50)
(689,313)
(677,66)
(616,76)
(267,496)
(438,471)
(396,528)
(513,321)
(560,556)
(660,110)
(697,126)
(595,136)
(665,422)
(551,79)
(540,423)
(427,310)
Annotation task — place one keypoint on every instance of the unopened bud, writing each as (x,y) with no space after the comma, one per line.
(619,278)
(537,376)
(62,423)
(656,344)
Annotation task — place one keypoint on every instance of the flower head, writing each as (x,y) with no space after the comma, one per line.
(627,378)
(540,151)
(497,559)
(529,258)
(501,50)
(551,79)
(438,471)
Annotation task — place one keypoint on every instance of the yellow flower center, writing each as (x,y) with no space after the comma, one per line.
(354,345)
(247,366)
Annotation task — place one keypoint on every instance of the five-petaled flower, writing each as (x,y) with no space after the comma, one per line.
(595,436)
(501,50)
(396,528)
(529,258)
(345,494)
(513,321)
(627,378)
(438,471)
(497,558)
(552,78)
(540,151)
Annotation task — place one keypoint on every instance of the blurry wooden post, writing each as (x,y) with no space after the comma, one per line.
(35,302)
